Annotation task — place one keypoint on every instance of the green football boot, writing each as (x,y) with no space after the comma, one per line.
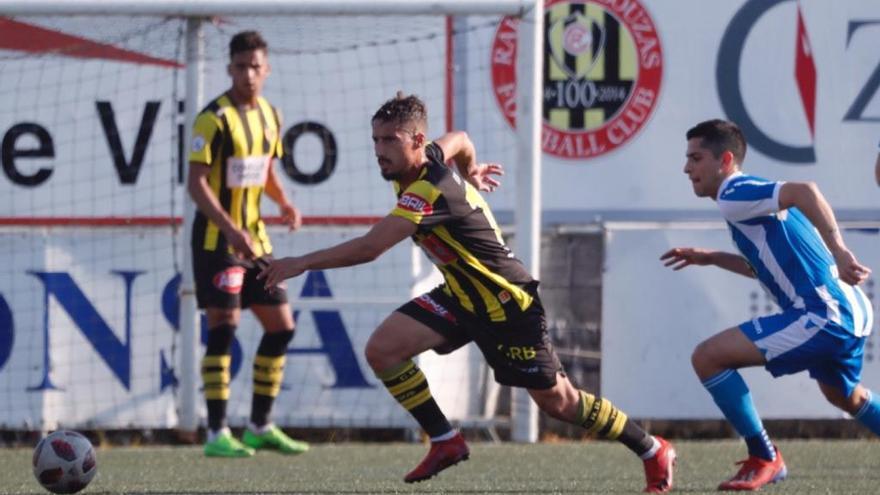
(274,438)
(225,445)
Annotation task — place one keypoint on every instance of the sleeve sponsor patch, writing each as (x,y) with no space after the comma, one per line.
(414,203)
(198,143)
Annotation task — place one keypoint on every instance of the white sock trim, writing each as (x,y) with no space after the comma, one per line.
(213,434)
(652,451)
(259,430)
(445,436)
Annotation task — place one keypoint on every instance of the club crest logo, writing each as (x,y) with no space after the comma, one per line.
(198,143)
(603,68)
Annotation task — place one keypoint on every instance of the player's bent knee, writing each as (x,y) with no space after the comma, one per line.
(375,356)
(699,358)
(840,402)
(837,398)
(383,353)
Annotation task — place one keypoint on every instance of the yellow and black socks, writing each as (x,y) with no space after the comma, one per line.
(600,418)
(215,374)
(409,387)
(268,373)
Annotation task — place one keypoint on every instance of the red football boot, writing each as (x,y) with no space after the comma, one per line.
(659,469)
(442,455)
(755,473)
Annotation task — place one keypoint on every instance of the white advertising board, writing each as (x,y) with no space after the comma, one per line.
(88,335)
(801,77)
(808,101)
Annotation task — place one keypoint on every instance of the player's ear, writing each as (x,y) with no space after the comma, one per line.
(419,139)
(728,161)
(229,69)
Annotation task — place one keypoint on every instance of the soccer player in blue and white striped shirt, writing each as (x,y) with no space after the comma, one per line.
(787,238)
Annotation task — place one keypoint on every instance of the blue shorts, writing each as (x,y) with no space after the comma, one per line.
(792,342)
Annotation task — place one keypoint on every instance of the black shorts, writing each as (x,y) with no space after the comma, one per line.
(226,281)
(518,350)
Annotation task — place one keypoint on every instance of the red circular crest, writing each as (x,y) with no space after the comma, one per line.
(603,66)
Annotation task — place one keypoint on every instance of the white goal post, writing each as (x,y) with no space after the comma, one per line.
(528,118)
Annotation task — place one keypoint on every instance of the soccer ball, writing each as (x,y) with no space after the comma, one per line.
(64,462)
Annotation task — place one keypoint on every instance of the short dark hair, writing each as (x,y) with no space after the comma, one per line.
(246,41)
(719,136)
(402,110)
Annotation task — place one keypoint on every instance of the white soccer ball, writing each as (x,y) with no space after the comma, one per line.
(64,462)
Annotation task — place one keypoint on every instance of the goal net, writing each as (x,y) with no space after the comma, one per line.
(92,223)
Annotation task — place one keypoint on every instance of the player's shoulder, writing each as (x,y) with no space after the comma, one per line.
(211,114)
(217,107)
(267,106)
(434,153)
(742,187)
(434,170)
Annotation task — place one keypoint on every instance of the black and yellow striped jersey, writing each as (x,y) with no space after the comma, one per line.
(239,145)
(458,232)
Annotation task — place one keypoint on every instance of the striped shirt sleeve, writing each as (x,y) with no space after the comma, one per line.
(203,139)
(749,198)
(419,204)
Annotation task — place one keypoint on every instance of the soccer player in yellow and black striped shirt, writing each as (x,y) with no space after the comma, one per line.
(487,296)
(236,139)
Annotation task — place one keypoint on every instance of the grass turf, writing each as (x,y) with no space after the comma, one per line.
(827,466)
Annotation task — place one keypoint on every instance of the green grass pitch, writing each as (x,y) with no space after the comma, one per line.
(834,467)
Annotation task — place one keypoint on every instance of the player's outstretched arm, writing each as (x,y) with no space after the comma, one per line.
(385,234)
(807,197)
(680,257)
(458,147)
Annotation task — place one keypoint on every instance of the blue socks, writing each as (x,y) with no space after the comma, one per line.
(732,396)
(869,414)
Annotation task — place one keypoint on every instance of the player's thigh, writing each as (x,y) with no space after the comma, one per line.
(269,305)
(728,349)
(835,362)
(519,350)
(400,337)
(219,280)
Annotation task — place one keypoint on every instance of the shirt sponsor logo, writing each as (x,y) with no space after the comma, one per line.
(437,250)
(417,204)
(247,172)
(427,302)
(230,280)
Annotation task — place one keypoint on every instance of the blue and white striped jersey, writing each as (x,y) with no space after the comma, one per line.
(789,257)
